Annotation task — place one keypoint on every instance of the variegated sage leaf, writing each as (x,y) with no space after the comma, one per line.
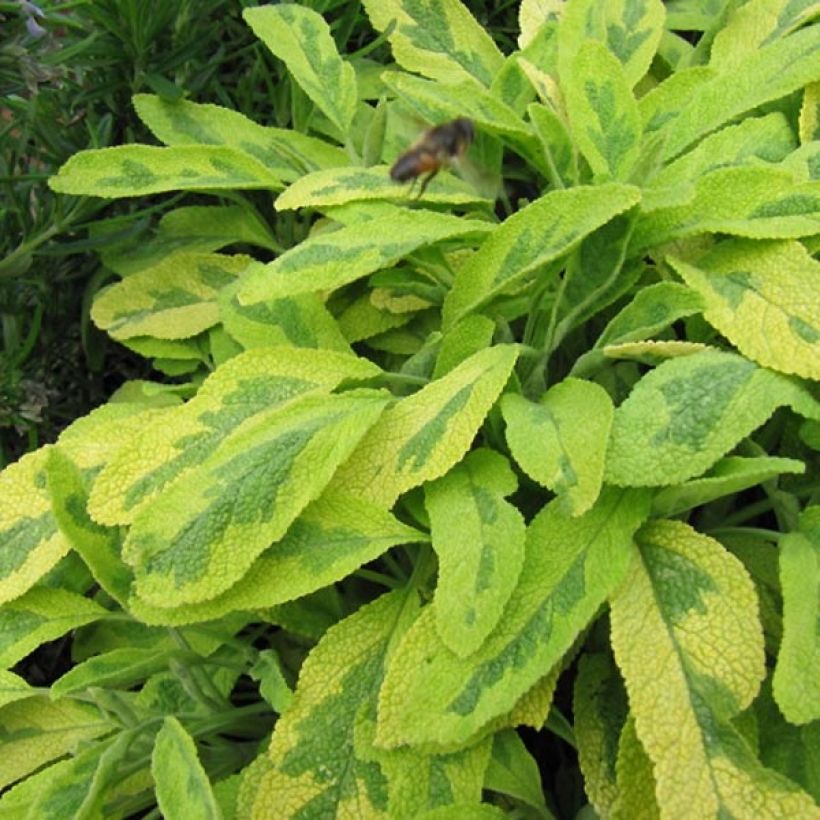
(768,73)
(759,202)
(561,440)
(182,786)
(603,113)
(137,170)
(437,38)
(768,138)
(31,543)
(182,122)
(513,770)
(754,25)
(318,765)
(683,416)
(37,731)
(764,298)
(422,436)
(809,123)
(42,614)
(729,475)
(797,674)
(174,299)
(661,105)
(600,708)
(197,538)
(184,437)
(301,38)
(338,258)
(334,536)
(13,688)
(300,321)
(689,645)
(630,29)
(635,778)
(338,186)
(571,566)
(537,234)
(479,539)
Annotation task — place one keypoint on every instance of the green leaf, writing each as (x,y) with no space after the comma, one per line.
(137,170)
(600,709)
(630,29)
(768,73)
(338,186)
(763,297)
(537,234)
(184,437)
(301,39)
(729,475)
(514,771)
(635,778)
(335,535)
(688,642)
(561,441)
(603,113)
(683,416)
(571,566)
(36,731)
(174,299)
(31,541)
(767,138)
(118,669)
(479,540)
(551,129)
(98,546)
(181,122)
(182,787)
(301,321)
(318,764)
(437,38)
(267,671)
(334,259)
(424,435)
(757,202)
(198,538)
(661,105)
(797,674)
(461,341)
(41,615)
(13,688)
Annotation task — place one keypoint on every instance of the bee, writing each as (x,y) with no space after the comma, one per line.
(433,151)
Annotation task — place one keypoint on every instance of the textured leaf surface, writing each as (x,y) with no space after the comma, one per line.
(335,259)
(301,38)
(338,186)
(36,731)
(422,436)
(630,29)
(729,475)
(764,298)
(174,299)
(571,566)
(688,641)
(797,674)
(199,537)
(181,439)
(514,771)
(437,38)
(479,540)
(117,669)
(182,122)
(300,321)
(603,113)
(41,615)
(537,234)
(599,707)
(30,542)
(755,202)
(773,71)
(13,687)
(317,766)
(561,441)
(335,535)
(182,787)
(137,170)
(683,416)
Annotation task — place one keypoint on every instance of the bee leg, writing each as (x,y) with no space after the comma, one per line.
(426,181)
